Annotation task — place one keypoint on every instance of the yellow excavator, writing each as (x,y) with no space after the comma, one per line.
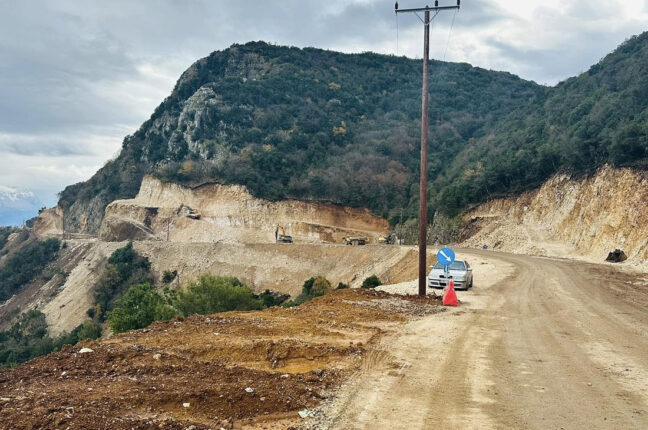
(281,236)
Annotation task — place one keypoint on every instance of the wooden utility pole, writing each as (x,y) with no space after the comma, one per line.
(422,237)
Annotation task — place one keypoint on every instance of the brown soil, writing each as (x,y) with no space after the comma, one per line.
(287,359)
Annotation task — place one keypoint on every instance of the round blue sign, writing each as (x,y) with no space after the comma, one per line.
(446,256)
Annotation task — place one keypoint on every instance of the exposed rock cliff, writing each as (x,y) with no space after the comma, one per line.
(569,217)
(229,213)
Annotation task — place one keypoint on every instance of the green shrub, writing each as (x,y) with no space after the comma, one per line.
(5,232)
(125,268)
(308,285)
(139,307)
(27,263)
(371,282)
(89,330)
(271,299)
(342,286)
(321,287)
(313,287)
(212,294)
(169,276)
(28,338)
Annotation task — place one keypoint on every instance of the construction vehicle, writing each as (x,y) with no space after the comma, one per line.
(390,239)
(281,236)
(193,214)
(354,240)
(189,212)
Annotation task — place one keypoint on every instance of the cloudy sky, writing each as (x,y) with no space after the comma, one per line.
(77,76)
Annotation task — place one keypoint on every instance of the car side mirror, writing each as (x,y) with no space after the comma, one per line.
(470,269)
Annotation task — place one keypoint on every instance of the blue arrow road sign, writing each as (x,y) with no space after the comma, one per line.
(446,256)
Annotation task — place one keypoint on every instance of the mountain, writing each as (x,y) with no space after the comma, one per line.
(320,125)
(16,207)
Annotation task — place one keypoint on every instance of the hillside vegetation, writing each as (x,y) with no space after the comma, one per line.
(25,264)
(320,125)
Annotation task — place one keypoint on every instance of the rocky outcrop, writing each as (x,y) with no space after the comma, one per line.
(586,217)
(49,223)
(229,214)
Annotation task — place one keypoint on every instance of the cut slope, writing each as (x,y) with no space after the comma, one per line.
(229,213)
(570,217)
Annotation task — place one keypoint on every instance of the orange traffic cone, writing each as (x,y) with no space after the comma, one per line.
(450,297)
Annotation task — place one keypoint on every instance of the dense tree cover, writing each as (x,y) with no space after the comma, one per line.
(25,264)
(28,338)
(598,117)
(125,268)
(313,124)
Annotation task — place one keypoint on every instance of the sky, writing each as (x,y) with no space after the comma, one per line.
(76,77)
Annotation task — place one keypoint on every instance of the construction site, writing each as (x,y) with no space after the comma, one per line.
(343,360)
(274,247)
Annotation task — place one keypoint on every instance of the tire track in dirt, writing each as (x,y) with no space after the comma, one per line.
(553,346)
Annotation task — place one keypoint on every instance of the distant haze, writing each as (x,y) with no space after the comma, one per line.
(76,78)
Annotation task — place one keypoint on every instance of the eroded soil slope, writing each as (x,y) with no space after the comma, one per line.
(241,370)
(570,218)
(229,214)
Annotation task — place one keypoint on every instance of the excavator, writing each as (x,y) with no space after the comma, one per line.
(281,236)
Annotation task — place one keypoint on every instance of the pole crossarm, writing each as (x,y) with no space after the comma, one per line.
(424,9)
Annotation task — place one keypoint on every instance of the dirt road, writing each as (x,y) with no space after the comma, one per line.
(555,344)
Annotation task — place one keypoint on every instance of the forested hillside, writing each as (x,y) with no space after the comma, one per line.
(320,125)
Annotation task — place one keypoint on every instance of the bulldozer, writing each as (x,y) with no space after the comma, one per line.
(354,240)
(281,236)
(390,239)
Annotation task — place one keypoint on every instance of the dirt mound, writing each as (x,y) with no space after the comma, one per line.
(569,218)
(229,213)
(254,369)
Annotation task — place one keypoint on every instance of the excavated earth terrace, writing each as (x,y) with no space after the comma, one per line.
(233,370)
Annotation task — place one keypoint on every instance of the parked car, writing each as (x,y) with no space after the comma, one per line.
(460,271)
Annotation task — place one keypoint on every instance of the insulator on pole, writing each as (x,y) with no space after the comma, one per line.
(458,2)
(436,3)
(396,6)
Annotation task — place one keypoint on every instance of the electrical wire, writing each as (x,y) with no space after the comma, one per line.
(396,34)
(450,33)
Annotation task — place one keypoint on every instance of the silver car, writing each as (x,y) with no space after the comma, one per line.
(460,271)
